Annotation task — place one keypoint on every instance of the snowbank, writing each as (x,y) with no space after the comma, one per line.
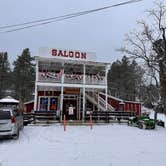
(151,112)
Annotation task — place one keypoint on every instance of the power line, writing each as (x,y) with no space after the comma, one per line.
(68,15)
(40,22)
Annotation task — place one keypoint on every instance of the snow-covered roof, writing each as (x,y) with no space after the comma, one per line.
(8,99)
(120,100)
(29,102)
(135,102)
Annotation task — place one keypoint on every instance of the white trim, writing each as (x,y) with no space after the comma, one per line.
(98,101)
(71,85)
(106,90)
(37,71)
(36,91)
(61,96)
(134,102)
(113,97)
(28,102)
(47,59)
(124,101)
(83,111)
(35,98)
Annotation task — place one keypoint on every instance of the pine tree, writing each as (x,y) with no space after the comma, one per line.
(4,73)
(124,79)
(24,76)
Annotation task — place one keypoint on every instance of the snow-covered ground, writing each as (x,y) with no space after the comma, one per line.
(151,113)
(104,145)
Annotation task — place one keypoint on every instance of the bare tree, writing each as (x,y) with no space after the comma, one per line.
(149,46)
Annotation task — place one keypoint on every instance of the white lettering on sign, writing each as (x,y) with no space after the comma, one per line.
(70,54)
(66,54)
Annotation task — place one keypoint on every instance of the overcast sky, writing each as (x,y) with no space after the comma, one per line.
(102,32)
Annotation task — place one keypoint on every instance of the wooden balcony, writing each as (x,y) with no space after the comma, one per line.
(51,77)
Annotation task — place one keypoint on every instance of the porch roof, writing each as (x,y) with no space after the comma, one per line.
(46,59)
(8,99)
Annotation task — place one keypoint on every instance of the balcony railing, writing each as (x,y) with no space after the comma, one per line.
(71,78)
(49,77)
(95,80)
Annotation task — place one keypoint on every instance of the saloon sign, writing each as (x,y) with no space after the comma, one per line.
(67,54)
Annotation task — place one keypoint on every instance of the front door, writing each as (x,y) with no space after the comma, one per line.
(70,109)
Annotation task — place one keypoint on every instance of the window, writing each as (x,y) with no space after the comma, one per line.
(48,103)
(43,103)
(53,103)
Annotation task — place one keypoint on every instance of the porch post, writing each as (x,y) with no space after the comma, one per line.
(61,100)
(98,109)
(37,78)
(106,88)
(84,82)
(79,110)
(35,98)
(94,99)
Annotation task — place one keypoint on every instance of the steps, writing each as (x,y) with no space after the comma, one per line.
(101,103)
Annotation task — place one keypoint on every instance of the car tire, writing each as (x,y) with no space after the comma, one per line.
(140,126)
(144,126)
(153,127)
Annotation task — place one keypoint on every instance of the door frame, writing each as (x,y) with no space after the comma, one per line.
(72,97)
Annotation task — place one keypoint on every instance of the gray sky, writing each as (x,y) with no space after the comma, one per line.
(100,32)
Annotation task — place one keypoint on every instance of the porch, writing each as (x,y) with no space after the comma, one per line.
(74,103)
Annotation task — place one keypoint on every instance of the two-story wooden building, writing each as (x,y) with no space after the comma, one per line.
(69,82)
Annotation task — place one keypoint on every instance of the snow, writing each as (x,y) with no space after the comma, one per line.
(160,116)
(8,99)
(104,145)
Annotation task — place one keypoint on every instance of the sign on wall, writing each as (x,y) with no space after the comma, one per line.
(67,54)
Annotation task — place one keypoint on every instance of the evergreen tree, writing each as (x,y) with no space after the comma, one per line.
(124,79)
(4,73)
(24,76)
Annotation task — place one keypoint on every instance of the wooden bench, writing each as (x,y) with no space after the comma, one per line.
(108,115)
(41,116)
(45,115)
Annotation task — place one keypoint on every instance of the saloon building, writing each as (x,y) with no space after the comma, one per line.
(70,82)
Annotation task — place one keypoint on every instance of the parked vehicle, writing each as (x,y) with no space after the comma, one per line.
(11,122)
(142,122)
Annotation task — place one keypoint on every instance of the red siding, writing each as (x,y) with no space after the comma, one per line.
(135,107)
(114,104)
(127,106)
(29,107)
